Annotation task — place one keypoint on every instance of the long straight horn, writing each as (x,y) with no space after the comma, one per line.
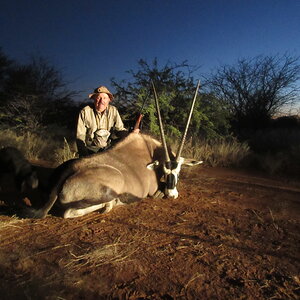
(162,134)
(187,123)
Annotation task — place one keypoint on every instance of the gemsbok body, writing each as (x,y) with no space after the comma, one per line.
(134,167)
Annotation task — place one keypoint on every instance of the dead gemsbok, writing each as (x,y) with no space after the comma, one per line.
(133,167)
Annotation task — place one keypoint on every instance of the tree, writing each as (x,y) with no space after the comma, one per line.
(255,89)
(175,87)
(34,94)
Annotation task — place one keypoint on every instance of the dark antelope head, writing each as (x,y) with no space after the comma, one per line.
(172,167)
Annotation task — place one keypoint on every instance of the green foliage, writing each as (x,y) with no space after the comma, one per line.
(175,87)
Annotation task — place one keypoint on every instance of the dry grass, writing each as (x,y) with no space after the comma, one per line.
(222,153)
(65,153)
(30,144)
(12,221)
(114,253)
(36,147)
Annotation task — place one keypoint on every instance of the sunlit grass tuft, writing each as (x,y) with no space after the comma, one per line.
(114,253)
(35,147)
(12,221)
(221,153)
(65,153)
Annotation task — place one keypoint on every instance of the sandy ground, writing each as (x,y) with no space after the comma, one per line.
(229,235)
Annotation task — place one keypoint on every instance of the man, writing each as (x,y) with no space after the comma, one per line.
(95,123)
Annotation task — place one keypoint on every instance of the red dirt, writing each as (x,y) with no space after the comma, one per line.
(229,235)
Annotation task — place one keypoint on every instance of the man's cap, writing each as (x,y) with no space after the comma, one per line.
(102,89)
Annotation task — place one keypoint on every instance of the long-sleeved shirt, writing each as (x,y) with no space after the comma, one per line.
(90,121)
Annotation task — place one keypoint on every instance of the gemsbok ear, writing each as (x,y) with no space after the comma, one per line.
(153,166)
(191,162)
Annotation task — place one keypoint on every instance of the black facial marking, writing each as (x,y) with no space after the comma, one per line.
(170,178)
(170,181)
(171,165)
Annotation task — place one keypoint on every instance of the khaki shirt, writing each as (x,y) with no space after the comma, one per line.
(90,123)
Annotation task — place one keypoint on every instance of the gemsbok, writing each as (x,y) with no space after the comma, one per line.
(131,170)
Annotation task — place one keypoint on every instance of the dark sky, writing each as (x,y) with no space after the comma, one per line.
(92,41)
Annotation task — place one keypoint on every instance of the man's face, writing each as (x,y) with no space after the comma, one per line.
(101,101)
